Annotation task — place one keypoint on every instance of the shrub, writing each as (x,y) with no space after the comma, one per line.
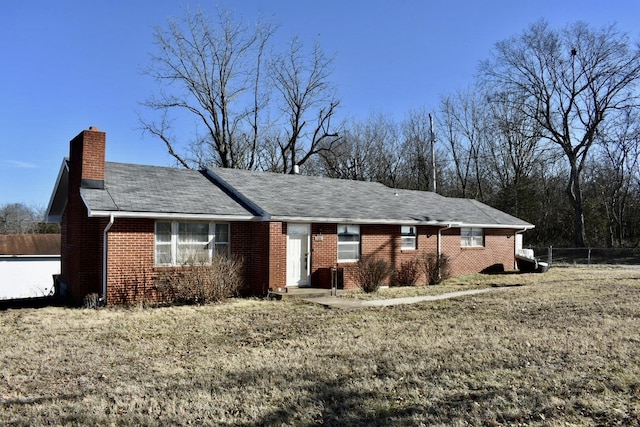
(407,274)
(200,283)
(370,273)
(435,268)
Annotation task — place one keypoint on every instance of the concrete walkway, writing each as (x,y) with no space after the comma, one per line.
(346,303)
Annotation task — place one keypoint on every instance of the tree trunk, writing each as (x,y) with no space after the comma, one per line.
(575,193)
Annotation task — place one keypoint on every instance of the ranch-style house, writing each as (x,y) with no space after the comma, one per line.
(124,224)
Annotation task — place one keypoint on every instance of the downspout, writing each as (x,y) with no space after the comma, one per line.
(439,250)
(105,244)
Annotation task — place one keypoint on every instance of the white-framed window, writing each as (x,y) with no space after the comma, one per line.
(471,237)
(221,240)
(188,242)
(348,243)
(409,234)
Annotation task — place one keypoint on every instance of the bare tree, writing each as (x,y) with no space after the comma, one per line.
(416,149)
(571,80)
(613,174)
(462,120)
(513,151)
(307,102)
(211,73)
(17,218)
(368,151)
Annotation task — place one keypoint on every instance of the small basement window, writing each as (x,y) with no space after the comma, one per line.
(408,233)
(471,237)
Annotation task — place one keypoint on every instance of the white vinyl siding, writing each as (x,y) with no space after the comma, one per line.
(348,243)
(471,237)
(408,233)
(183,243)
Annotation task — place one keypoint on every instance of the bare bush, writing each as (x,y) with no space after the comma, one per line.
(370,273)
(435,268)
(407,274)
(200,283)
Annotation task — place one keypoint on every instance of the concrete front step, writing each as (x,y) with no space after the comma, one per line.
(299,293)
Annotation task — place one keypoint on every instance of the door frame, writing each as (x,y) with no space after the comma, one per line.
(306,247)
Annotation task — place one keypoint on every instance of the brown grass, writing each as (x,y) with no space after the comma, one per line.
(561,350)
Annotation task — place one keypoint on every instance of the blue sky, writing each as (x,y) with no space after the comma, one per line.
(70,64)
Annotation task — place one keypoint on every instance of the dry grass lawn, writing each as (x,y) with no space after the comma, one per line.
(563,349)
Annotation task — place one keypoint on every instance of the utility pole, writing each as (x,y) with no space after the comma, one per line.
(432,138)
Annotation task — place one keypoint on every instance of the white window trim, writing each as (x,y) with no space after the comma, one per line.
(212,243)
(474,237)
(359,243)
(413,238)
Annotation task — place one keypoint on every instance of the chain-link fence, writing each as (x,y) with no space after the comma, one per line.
(588,256)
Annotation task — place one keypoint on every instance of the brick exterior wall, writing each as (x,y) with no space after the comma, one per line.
(384,241)
(131,276)
(262,245)
(277,258)
(324,253)
(81,252)
(250,241)
(498,251)
(381,241)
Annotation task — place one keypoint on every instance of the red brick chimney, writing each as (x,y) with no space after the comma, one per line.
(81,247)
(86,158)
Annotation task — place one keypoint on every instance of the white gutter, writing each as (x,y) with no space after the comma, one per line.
(387,221)
(163,215)
(341,220)
(105,244)
(516,227)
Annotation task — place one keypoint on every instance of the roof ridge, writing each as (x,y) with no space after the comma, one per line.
(297,176)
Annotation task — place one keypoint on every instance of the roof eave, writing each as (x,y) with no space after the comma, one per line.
(59,196)
(439,223)
(369,221)
(170,215)
(522,227)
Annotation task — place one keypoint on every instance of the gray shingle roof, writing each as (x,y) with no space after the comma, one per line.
(160,190)
(334,200)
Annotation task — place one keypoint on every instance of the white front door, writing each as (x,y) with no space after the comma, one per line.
(298,254)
